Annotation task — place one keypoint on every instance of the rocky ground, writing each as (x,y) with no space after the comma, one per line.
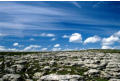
(60,66)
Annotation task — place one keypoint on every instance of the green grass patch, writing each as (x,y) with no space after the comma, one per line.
(73,70)
(99,79)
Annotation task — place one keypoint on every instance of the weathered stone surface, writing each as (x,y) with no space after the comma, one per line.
(62,66)
(92,72)
(37,75)
(11,77)
(114,80)
(18,67)
(54,77)
(28,80)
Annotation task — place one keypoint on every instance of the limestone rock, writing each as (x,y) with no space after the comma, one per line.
(12,77)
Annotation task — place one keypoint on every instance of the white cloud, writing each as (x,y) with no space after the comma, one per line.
(65,36)
(47,35)
(68,49)
(92,39)
(15,44)
(117,34)
(28,48)
(31,48)
(110,47)
(12,49)
(2,48)
(56,49)
(2,34)
(56,45)
(44,49)
(112,39)
(53,39)
(107,42)
(50,35)
(32,39)
(76,38)
(107,47)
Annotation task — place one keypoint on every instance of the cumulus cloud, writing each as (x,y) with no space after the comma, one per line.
(107,42)
(57,45)
(112,39)
(68,49)
(110,47)
(2,34)
(107,47)
(44,49)
(93,39)
(2,48)
(28,48)
(56,49)
(65,36)
(117,34)
(31,48)
(47,35)
(15,44)
(53,39)
(76,38)
(12,49)
(32,39)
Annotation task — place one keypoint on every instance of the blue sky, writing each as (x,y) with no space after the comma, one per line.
(59,25)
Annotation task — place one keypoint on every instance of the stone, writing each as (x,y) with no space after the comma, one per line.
(46,68)
(92,72)
(21,62)
(37,75)
(18,67)
(105,75)
(52,62)
(28,80)
(12,77)
(37,65)
(114,80)
(53,77)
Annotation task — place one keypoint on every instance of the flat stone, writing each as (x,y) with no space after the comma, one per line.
(61,77)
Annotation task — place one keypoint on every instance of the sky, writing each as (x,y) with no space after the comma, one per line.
(59,25)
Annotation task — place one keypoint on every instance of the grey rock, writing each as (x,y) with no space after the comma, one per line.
(11,77)
(37,75)
(92,72)
(18,67)
(52,77)
(46,68)
(114,80)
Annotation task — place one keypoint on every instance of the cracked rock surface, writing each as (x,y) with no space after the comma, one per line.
(60,66)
